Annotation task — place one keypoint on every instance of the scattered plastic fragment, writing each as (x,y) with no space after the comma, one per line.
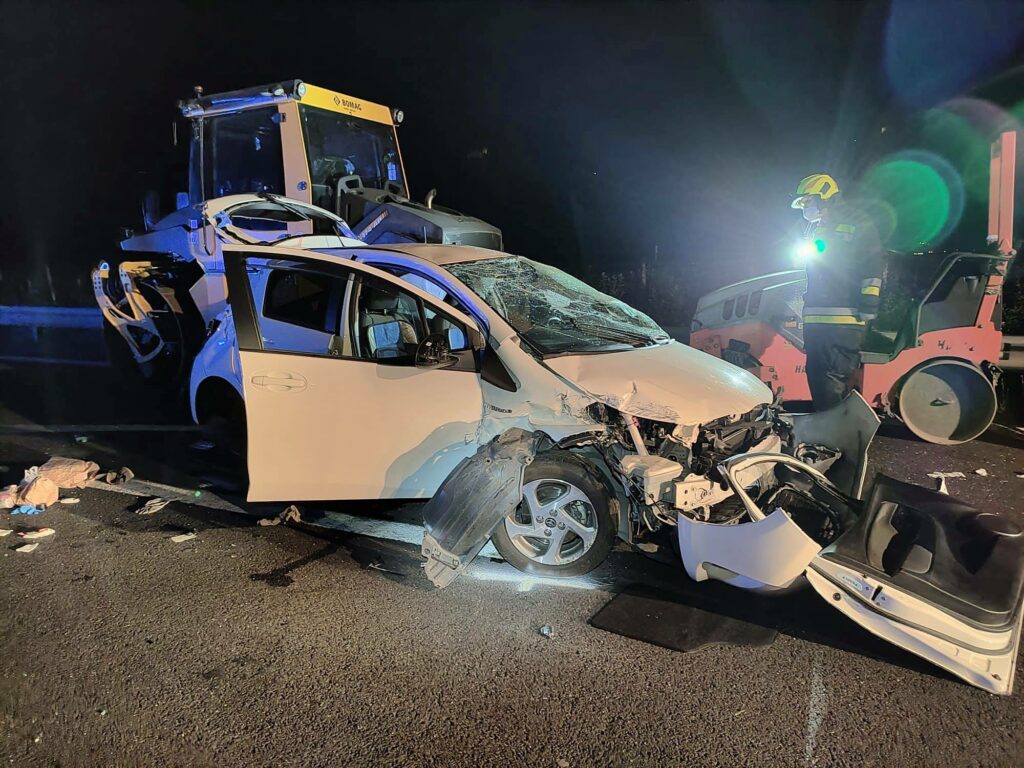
(122,475)
(5,532)
(81,439)
(152,505)
(202,445)
(562,763)
(290,514)
(26,509)
(39,533)
(70,500)
(548,631)
(941,477)
(28,547)
(981,471)
(183,537)
(1020,475)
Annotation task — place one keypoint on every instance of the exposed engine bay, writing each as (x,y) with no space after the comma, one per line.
(668,469)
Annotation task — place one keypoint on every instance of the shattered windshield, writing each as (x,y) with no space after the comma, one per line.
(554,312)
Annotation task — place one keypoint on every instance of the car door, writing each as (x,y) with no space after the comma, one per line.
(912,566)
(336,406)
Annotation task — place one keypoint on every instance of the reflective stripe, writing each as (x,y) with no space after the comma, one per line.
(870,290)
(830,310)
(832,320)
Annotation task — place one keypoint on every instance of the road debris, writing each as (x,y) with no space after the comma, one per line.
(941,477)
(981,471)
(290,514)
(26,548)
(9,497)
(562,763)
(202,445)
(69,473)
(122,475)
(183,537)
(70,500)
(38,491)
(38,533)
(81,439)
(548,631)
(1020,475)
(6,532)
(27,509)
(152,506)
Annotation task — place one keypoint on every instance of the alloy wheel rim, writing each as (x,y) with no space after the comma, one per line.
(554,525)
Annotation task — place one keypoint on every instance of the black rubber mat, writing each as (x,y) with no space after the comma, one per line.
(675,625)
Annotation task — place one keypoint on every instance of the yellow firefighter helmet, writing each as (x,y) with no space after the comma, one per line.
(819,185)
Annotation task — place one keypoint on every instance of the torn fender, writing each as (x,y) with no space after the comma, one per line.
(473,499)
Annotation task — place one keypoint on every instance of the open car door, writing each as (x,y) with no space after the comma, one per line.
(357,385)
(924,571)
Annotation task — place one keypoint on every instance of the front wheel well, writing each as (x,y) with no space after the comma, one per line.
(215,397)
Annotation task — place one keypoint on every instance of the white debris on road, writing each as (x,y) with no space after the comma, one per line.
(981,471)
(183,537)
(152,506)
(290,514)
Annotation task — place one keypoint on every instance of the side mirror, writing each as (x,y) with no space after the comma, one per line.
(435,352)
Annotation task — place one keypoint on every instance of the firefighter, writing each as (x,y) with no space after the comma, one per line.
(844,276)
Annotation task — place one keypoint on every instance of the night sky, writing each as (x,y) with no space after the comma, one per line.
(591,133)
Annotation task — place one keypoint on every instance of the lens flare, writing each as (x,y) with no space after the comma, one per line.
(918,196)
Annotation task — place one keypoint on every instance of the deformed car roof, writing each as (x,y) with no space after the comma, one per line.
(443,255)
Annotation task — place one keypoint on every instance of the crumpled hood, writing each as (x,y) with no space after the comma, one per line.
(671,382)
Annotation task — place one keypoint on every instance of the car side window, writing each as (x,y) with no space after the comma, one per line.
(455,332)
(301,311)
(301,298)
(388,323)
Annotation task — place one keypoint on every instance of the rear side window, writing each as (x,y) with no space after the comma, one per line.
(303,299)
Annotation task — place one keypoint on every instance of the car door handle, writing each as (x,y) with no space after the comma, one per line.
(279,382)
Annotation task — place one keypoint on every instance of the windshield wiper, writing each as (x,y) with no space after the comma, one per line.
(615,334)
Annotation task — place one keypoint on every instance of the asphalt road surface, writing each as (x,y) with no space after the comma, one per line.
(286,645)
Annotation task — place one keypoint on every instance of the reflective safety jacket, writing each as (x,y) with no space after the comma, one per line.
(844,277)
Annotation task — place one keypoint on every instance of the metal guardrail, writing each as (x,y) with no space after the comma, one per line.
(1012,357)
(52,317)
(56,335)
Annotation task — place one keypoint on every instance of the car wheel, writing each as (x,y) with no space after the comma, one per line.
(563,526)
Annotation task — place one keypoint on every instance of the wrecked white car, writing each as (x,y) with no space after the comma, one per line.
(534,411)
(372,372)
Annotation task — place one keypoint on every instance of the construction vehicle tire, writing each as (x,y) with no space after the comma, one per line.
(946,401)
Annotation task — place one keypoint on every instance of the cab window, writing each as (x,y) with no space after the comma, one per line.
(242,153)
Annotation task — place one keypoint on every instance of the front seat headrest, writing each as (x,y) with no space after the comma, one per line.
(377,300)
